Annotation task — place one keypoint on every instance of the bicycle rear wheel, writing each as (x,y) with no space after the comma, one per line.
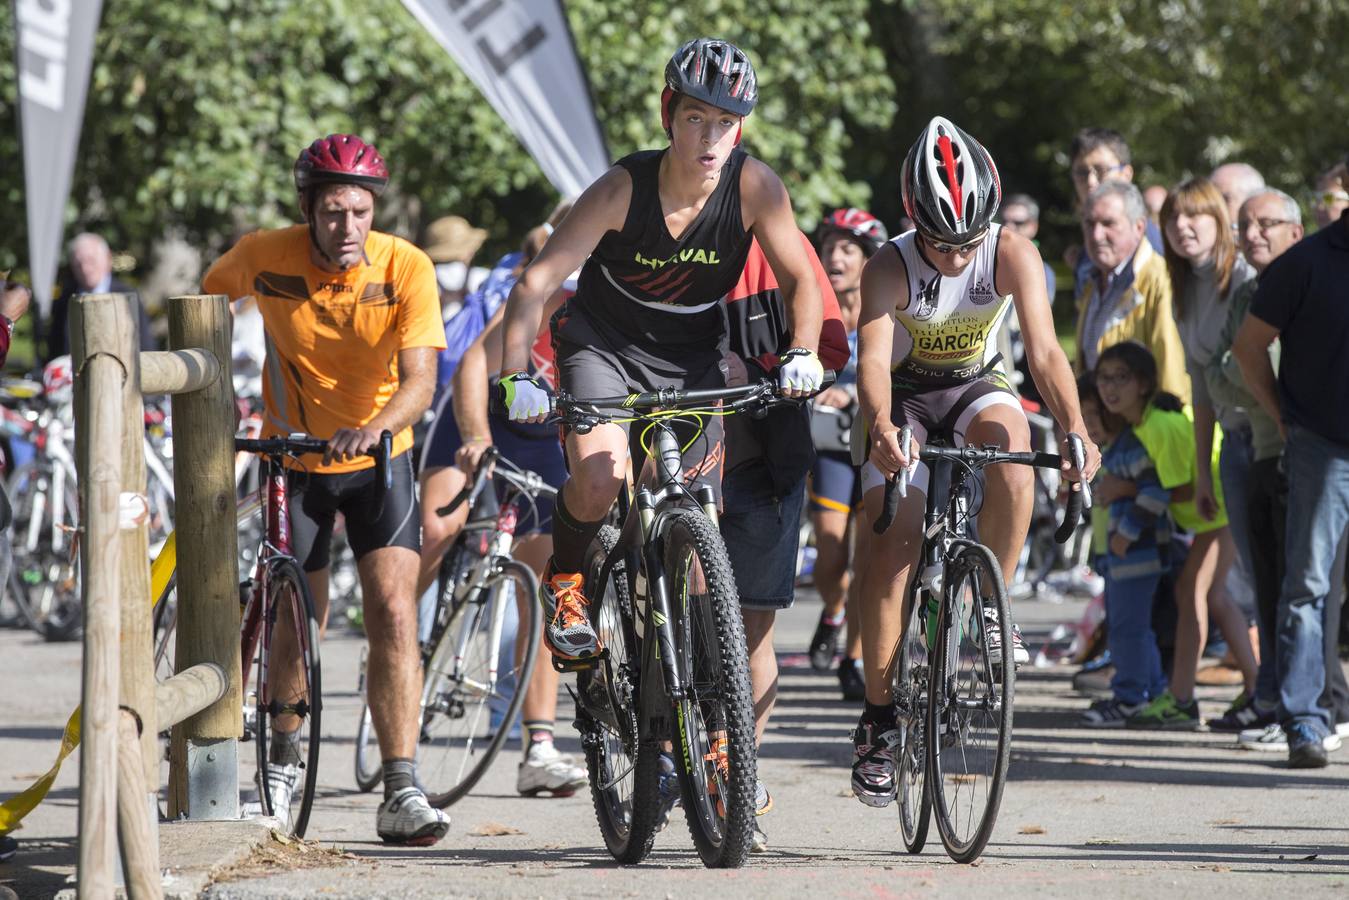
(474,686)
(290,702)
(715,752)
(45,573)
(970,704)
(910,696)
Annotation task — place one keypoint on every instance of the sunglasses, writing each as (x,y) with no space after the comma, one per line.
(944,248)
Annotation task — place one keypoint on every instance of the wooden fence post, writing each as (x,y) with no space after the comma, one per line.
(208,602)
(101,344)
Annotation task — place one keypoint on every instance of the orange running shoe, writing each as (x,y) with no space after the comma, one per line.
(569,633)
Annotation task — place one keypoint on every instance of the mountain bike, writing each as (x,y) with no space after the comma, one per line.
(673,670)
(953,702)
(280,631)
(472,686)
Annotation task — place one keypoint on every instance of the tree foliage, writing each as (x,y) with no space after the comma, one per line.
(196,109)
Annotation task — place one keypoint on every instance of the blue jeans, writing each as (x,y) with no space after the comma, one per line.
(1318,511)
(1133,645)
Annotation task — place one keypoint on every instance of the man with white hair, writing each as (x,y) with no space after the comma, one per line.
(90,273)
(1237,181)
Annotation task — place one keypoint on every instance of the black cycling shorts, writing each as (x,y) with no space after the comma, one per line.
(315,499)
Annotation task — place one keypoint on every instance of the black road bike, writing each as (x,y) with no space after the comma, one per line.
(674,670)
(953,700)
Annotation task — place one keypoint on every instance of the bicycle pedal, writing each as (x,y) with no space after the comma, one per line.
(585,664)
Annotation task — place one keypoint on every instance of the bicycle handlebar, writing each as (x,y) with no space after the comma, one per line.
(479,480)
(296,444)
(1079,499)
(584,414)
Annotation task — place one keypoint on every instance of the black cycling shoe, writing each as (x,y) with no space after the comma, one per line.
(824,645)
(850,680)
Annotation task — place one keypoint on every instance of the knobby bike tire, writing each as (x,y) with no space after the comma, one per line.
(910,695)
(710,638)
(288,600)
(961,667)
(624,770)
(443,688)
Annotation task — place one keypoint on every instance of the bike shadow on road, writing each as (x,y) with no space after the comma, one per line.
(590,857)
(1296,859)
(40,868)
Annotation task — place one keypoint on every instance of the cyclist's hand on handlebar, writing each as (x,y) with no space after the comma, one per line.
(887,455)
(800,373)
(470,454)
(349,443)
(1093,460)
(524,398)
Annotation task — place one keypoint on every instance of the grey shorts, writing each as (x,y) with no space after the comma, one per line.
(943,411)
(762,534)
(588,367)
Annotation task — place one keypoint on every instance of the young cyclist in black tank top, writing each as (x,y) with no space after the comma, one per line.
(663,236)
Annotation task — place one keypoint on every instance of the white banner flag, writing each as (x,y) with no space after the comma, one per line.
(520,55)
(55,50)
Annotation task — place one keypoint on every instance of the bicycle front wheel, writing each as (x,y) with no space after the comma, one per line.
(910,696)
(714,738)
(970,699)
(475,683)
(289,698)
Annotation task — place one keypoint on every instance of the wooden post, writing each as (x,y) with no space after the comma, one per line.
(140,840)
(208,602)
(137,644)
(189,692)
(176,371)
(101,341)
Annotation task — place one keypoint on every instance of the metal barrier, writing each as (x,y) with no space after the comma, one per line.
(124,709)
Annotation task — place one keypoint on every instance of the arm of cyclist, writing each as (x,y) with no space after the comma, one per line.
(885,288)
(767,212)
(602,208)
(416,384)
(1021,273)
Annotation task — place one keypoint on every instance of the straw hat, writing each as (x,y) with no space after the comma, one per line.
(452,239)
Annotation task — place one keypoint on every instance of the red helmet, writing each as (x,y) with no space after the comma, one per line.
(858,224)
(950,185)
(341,159)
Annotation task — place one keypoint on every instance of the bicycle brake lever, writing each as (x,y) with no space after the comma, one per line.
(1078,452)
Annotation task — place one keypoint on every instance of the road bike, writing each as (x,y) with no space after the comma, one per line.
(953,699)
(673,671)
(474,678)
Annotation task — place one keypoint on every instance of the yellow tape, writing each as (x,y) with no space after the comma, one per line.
(13,810)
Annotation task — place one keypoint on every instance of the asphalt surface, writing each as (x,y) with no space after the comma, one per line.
(1118,814)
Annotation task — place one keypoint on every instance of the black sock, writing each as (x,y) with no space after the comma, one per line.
(880,714)
(399,774)
(571,537)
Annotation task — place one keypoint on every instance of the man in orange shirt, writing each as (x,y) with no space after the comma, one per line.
(353,325)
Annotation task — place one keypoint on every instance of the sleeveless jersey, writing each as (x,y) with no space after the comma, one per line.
(641,288)
(947,333)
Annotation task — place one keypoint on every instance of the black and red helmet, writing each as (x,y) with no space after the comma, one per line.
(950,185)
(714,71)
(858,224)
(341,159)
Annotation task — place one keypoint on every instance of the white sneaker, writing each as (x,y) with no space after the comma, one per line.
(280,790)
(1271,739)
(545,770)
(407,818)
(1020,655)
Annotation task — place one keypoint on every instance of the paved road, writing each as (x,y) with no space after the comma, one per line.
(1120,814)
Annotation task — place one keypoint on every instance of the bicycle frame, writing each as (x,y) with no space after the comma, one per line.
(275,545)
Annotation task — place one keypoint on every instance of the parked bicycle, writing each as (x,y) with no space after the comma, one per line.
(474,678)
(946,684)
(674,670)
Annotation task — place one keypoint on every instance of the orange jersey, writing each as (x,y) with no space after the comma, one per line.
(332,337)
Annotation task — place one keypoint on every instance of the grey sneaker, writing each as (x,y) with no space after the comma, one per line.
(668,787)
(407,818)
(545,770)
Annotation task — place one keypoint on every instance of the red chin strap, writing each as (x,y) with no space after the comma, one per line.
(667,117)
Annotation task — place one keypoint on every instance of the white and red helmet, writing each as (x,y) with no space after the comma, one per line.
(58,379)
(950,184)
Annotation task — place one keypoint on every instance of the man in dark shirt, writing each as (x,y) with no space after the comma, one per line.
(1303,300)
(90,273)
